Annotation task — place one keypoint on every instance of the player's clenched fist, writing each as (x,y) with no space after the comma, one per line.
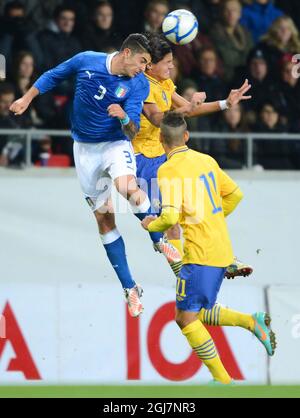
(115,111)
(19,106)
(198,98)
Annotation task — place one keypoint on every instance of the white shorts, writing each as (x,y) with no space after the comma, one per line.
(98,165)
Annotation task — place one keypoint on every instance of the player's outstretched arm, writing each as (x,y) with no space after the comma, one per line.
(46,82)
(22,104)
(155,116)
(230,192)
(202,109)
(168,218)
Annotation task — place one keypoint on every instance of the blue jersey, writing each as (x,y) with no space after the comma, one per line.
(96,90)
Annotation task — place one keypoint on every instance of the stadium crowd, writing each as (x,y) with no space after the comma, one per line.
(254,39)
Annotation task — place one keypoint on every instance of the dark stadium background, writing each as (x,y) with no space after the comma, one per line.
(53,274)
(37,35)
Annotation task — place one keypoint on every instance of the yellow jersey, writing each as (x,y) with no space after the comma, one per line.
(147,140)
(194,184)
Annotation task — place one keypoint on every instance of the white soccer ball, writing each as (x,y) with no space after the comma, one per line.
(180,27)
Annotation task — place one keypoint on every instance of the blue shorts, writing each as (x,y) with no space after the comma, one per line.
(147,179)
(198,287)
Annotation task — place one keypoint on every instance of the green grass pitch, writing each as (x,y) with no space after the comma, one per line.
(131,391)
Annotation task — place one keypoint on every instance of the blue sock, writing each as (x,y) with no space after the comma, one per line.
(115,251)
(141,212)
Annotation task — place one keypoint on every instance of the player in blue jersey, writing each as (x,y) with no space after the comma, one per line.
(108,102)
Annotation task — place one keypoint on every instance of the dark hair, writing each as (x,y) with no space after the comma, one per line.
(270,103)
(6,88)
(102,3)
(153,3)
(159,46)
(13,5)
(63,8)
(17,62)
(137,43)
(173,127)
(205,49)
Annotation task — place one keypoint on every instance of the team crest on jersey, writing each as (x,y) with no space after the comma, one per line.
(120,91)
(165,97)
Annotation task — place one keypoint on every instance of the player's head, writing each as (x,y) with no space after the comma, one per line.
(173,131)
(136,54)
(7,96)
(65,18)
(162,57)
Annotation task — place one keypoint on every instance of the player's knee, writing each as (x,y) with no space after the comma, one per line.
(180,319)
(183,318)
(105,221)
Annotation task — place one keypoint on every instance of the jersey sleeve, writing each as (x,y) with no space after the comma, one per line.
(55,76)
(227,185)
(151,95)
(172,86)
(134,104)
(171,188)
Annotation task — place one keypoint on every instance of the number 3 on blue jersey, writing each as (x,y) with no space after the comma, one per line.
(102,91)
(128,157)
(207,186)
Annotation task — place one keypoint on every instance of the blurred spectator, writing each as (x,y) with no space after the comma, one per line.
(42,112)
(232,41)
(154,15)
(270,154)
(262,85)
(231,153)
(289,94)
(186,54)
(207,76)
(14,30)
(41,151)
(291,8)
(43,155)
(282,38)
(187,89)
(38,12)
(57,43)
(207,13)
(100,35)
(129,19)
(259,16)
(11,147)
(208,80)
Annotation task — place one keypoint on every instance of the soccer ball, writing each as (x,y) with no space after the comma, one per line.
(180,27)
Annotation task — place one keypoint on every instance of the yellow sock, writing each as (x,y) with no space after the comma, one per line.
(203,345)
(221,316)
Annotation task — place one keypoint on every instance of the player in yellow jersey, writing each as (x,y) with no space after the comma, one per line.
(199,195)
(149,151)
